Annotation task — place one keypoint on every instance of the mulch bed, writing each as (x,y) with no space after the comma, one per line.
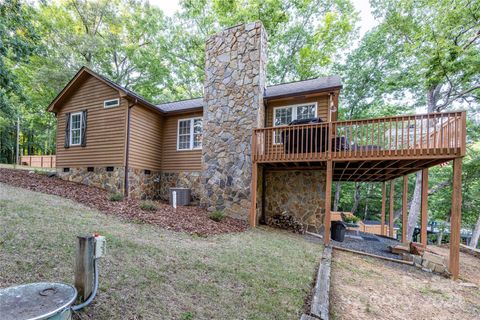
(191,219)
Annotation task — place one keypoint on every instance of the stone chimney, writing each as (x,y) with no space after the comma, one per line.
(235,72)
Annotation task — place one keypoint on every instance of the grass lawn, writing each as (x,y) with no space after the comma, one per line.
(152,273)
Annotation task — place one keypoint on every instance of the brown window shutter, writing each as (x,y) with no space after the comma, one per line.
(67,130)
(84,128)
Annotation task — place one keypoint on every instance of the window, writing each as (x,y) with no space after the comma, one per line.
(76,129)
(282,116)
(109,169)
(189,134)
(111,103)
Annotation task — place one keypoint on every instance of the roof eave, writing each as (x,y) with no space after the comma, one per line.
(302,93)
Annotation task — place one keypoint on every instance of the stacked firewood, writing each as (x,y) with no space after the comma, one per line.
(286,221)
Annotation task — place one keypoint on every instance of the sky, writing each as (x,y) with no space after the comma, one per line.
(169,7)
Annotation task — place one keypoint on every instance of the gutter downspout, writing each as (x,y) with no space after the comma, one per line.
(127,147)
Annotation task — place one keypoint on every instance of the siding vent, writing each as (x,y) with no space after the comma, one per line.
(109,169)
(111,103)
(147,172)
(66,169)
(90,169)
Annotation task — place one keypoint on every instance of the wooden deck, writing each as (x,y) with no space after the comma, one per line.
(370,150)
(364,150)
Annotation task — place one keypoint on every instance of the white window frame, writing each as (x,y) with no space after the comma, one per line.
(79,129)
(112,106)
(192,121)
(294,115)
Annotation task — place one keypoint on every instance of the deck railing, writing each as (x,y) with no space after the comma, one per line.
(427,135)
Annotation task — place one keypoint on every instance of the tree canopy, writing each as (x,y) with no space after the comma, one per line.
(422,55)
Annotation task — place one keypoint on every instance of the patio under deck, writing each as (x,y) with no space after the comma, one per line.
(371,150)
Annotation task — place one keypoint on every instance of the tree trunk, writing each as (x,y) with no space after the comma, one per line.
(365,213)
(336,201)
(414,211)
(356,197)
(476,234)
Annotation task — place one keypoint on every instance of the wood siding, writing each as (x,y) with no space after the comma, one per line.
(173,160)
(145,149)
(105,127)
(322,106)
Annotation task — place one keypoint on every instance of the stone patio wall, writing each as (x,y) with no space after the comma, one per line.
(300,194)
(112,181)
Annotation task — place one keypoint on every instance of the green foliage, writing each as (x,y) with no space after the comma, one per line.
(148,205)
(351,219)
(116,196)
(216,215)
(187,316)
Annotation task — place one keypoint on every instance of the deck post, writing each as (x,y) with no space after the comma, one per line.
(328,203)
(404,209)
(253,191)
(384,196)
(455,219)
(424,207)
(391,207)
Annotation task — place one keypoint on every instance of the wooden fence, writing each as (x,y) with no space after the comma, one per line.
(38,161)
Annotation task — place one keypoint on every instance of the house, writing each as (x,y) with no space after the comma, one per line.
(237,148)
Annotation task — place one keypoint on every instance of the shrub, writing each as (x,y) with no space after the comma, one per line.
(148,205)
(351,219)
(216,215)
(116,196)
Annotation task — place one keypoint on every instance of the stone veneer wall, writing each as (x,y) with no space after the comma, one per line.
(143,186)
(112,181)
(300,194)
(182,179)
(235,72)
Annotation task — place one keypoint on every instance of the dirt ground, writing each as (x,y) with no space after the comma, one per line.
(370,288)
(188,219)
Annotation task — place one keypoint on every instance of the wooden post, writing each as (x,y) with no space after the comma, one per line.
(384,196)
(328,203)
(391,207)
(17,147)
(455,219)
(424,207)
(253,206)
(404,209)
(84,266)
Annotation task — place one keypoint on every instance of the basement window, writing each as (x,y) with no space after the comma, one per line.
(109,169)
(66,169)
(147,172)
(111,103)
(90,169)
(190,134)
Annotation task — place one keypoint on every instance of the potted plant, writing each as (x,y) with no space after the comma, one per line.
(351,221)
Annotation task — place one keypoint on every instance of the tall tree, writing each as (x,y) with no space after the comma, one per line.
(422,54)
(17,43)
(305,38)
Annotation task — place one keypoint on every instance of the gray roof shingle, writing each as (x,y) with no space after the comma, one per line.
(181,105)
(279,90)
(299,87)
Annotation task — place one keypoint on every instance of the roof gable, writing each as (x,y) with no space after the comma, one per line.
(80,77)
